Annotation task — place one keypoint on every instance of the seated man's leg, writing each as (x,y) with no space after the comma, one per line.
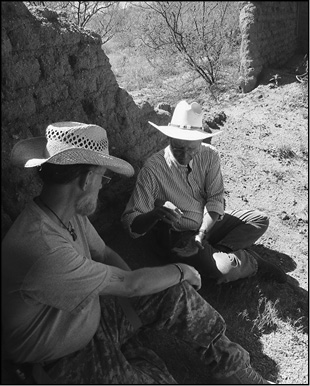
(210,262)
(230,265)
(239,229)
(161,235)
(181,311)
(103,361)
(221,259)
(223,266)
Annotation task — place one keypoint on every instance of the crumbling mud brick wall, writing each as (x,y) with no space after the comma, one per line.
(303,26)
(270,32)
(53,71)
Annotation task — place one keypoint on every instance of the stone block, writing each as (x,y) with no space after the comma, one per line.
(247,84)
(164,106)
(87,58)
(21,73)
(24,36)
(18,109)
(70,38)
(47,63)
(6,46)
(50,93)
(49,37)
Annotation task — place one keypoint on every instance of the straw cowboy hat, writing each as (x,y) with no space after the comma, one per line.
(68,143)
(186,123)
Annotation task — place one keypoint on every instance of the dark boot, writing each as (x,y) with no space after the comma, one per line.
(268,269)
(247,376)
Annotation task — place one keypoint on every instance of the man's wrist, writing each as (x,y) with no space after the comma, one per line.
(181,272)
(157,215)
(203,234)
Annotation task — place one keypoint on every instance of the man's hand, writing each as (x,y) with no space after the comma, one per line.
(192,276)
(190,249)
(198,239)
(167,212)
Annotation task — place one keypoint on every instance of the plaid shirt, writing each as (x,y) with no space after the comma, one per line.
(193,188)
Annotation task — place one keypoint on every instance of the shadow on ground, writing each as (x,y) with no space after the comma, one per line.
(296,66)
(240,303)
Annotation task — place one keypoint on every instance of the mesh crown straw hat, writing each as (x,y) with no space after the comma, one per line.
(68,143)
(186,123)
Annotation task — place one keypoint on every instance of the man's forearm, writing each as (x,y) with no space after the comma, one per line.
(209,219)
(144,222)
(147,281)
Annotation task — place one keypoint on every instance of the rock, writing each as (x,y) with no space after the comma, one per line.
(303,215)
(164,106)
(213,120)
(284,216)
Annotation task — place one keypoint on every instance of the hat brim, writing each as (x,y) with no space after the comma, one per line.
(184,134)
(32,152)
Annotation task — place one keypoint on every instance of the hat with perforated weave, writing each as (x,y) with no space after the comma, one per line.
(68,143)
(186,123)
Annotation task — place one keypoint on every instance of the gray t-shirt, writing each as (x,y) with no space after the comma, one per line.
(50,286)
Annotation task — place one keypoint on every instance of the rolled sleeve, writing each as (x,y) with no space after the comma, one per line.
(141,201)
(127,220)
(65,280)
(214,187)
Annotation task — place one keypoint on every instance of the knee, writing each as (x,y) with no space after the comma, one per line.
(225,262)
(234,266)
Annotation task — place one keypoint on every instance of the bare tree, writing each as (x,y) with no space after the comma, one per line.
(104,17)
(196,32)
(108,23)
(35,2)
(84,11)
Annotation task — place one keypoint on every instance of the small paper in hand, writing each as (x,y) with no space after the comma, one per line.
(171,206)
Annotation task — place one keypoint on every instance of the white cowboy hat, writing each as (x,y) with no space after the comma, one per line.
(186,123)
(68,143)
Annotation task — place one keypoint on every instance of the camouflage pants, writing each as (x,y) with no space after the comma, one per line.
(112,358)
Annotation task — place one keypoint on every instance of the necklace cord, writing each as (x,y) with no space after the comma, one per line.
(70,230)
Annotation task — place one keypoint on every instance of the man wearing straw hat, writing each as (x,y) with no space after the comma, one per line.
(71,305)
(179,196)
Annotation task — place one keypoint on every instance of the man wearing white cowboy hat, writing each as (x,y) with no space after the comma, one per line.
(64,290)
(179,196)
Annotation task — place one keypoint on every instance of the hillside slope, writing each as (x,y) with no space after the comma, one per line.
(264,151)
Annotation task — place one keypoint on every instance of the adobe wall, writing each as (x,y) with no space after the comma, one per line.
(271,33)
(53,71)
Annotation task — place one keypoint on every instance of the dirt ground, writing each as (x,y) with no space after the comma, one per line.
(264,151)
